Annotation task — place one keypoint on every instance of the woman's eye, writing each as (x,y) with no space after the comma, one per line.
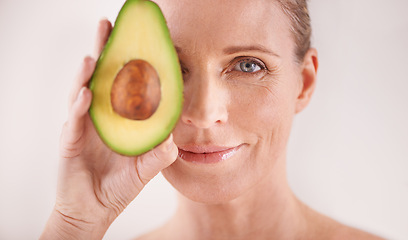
(247,66)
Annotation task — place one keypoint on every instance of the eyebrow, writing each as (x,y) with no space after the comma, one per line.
(236,49)
(257,48)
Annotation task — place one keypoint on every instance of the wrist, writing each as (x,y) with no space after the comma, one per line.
(60,226)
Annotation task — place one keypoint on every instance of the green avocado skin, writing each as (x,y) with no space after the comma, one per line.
(102,119)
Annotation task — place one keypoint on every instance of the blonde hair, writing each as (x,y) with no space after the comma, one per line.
(298,14)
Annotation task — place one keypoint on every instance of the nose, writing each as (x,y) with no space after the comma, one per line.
(205,102)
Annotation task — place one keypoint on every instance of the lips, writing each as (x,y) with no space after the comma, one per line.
(206,154)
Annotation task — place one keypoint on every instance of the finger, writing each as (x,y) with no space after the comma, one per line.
(74,128)
(102,36)
(82,79)
(151,163)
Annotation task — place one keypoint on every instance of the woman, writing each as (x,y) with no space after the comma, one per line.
(248,69)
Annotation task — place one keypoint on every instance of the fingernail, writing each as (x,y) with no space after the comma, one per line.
(81,93)
(87,59)
(169,146)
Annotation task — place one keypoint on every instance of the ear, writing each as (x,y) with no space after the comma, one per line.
(309,74)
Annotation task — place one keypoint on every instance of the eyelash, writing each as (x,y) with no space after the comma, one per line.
(237,61)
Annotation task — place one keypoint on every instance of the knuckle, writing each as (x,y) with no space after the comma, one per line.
(158,155)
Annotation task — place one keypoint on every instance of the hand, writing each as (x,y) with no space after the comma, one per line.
(95,184)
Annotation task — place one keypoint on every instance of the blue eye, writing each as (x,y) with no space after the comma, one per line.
(247,66)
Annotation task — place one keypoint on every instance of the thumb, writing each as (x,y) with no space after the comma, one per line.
(151,163)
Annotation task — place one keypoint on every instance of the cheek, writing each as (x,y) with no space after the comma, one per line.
(258,108)
(264,112)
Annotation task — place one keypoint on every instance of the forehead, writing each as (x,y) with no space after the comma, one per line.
(217,23)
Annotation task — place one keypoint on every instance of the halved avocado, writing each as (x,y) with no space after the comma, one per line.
(137,83)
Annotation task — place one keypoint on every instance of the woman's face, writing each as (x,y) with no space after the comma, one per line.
(241,88)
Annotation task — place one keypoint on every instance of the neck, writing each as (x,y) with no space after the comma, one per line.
(269,210)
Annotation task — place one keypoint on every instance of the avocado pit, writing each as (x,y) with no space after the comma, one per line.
(135,92)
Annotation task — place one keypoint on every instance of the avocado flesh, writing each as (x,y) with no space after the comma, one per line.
(140,32)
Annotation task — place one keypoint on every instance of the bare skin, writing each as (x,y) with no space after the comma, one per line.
(245,196)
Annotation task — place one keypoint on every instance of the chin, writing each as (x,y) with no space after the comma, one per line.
(215,184)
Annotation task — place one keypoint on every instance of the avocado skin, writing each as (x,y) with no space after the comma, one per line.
(140,32)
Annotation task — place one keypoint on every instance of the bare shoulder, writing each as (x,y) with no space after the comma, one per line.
(149,236)
(158,233)
(331,229)
(324,227)
(346,232)
(153,235)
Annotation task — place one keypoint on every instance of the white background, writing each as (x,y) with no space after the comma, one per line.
(347,155)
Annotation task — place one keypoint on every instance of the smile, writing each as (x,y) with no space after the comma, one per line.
(207,154)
